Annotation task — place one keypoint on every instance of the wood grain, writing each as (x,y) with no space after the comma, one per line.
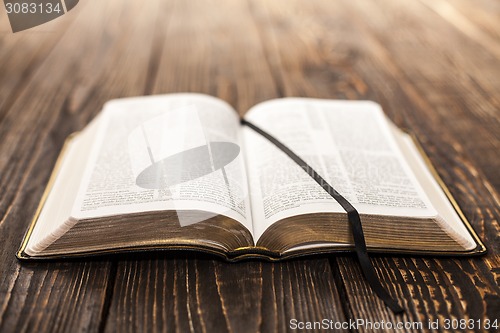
(361,61)
(63,297)
(433,65)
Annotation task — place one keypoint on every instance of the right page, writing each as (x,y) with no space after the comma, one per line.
(350,144)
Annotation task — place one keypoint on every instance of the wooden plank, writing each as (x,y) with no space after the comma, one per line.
(477,20)
(453,74)
(103,55)
(188,294)
(352,51)
(214,48)
(22,53)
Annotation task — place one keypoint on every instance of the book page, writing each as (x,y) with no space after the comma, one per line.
(175,152)
(348,143)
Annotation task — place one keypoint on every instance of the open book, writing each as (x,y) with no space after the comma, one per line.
(179,171)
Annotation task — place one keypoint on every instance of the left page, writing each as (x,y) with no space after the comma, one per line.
(178,152)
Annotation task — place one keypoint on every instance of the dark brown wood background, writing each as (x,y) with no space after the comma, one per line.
(434,66)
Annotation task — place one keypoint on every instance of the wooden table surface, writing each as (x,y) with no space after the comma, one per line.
(434,66)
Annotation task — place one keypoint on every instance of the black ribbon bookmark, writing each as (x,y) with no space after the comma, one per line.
(352,215)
